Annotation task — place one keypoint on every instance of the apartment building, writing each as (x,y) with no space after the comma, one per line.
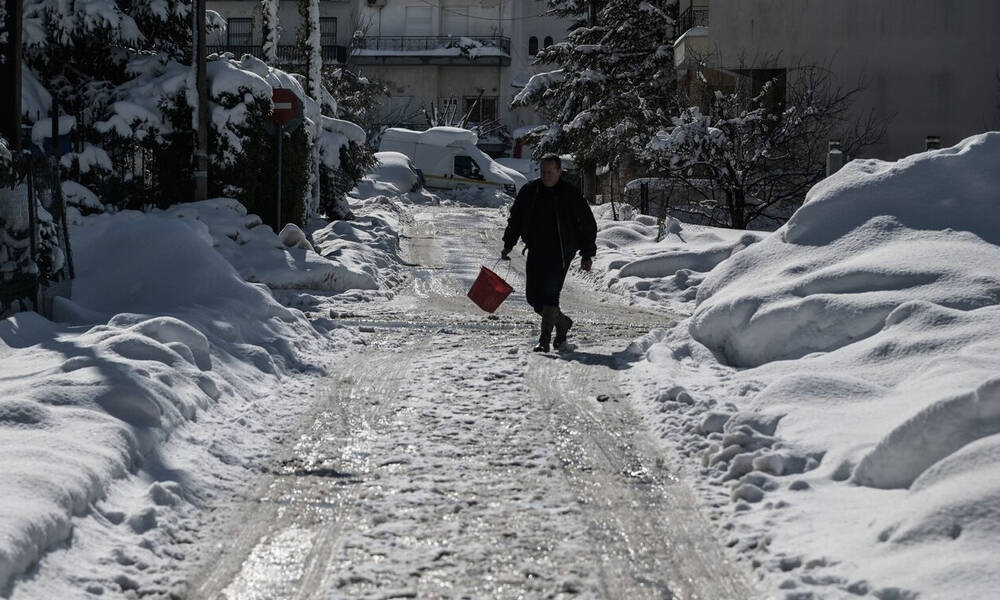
(453,56)
(929,67)
(242,34)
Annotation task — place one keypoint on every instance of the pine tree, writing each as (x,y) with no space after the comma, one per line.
(615,81)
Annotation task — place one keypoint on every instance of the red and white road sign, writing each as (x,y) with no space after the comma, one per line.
(286,106)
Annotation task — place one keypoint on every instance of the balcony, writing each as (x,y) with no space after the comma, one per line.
(692,42)
(693,16)
(430,50)
(288,55)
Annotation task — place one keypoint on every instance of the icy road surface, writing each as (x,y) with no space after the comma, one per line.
(445,460)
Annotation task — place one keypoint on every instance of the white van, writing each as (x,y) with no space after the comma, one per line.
(449,159)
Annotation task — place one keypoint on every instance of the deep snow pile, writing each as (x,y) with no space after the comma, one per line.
(860,453)
(660,261)
(168,339)
(360,254)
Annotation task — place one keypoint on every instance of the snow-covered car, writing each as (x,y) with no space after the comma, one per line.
(449,159)
(397,169)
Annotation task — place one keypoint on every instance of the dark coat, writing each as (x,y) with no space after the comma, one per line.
(576,229)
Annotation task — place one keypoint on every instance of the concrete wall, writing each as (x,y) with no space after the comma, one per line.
(443,17)
(421,85)
(930,66)
(288,17)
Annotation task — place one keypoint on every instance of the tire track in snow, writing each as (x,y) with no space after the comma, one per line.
(458,465)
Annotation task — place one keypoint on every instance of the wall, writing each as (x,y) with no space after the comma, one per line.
(930,66)
(288,17)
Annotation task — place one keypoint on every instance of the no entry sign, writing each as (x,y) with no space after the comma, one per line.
(286,106)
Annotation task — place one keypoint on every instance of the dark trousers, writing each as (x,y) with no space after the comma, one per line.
(544,278)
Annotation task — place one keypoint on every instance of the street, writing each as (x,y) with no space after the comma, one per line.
(443,459)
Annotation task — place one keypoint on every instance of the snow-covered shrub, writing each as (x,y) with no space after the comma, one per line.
(749,158)
(345,159)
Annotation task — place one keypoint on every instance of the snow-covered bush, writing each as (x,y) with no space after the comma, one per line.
(749,158)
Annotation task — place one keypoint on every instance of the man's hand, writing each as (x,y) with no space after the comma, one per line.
(505,252)
(586,264)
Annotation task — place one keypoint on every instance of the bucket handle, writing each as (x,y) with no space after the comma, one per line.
(497,263)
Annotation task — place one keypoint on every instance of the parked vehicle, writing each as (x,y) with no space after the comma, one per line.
(449,159)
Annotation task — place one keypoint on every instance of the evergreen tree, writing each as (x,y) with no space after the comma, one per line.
(615,81)
(271,31)
(358,97)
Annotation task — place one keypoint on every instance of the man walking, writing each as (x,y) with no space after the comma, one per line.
(555,222)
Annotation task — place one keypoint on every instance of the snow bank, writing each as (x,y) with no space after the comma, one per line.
(167,333)
(861,447)
(365,249)
(260,256)
(869,238)
(660,261)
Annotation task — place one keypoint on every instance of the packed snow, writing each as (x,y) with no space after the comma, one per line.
(162,381)
(833,389)
(836,387)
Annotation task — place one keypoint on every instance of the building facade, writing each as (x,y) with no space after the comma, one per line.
(447,58)
(243,31)
(927,67)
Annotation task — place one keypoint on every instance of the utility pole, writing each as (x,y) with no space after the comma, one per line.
(10,76)
(201,142)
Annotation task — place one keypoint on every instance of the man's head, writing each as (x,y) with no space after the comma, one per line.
(551,169)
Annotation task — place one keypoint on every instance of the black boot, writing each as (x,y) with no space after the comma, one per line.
(549,314)
(563,323)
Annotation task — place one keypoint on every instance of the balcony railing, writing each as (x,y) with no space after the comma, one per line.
(693,16)
(407,44)
(287,54)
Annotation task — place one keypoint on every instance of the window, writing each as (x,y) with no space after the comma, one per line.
(548,41)
(484,108)
(466,167)
(532,46)
(328,31)
(239,32)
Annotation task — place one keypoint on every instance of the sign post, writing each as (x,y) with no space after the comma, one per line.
(286,117)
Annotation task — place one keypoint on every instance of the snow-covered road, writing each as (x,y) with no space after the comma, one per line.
(444,460)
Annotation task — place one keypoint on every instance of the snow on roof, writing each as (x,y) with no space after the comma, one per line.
(435,136)
(699,31)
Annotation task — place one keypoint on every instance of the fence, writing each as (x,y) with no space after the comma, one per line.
(428,43)
(287,54)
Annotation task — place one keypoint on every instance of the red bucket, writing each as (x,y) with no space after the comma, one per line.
(489,291)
